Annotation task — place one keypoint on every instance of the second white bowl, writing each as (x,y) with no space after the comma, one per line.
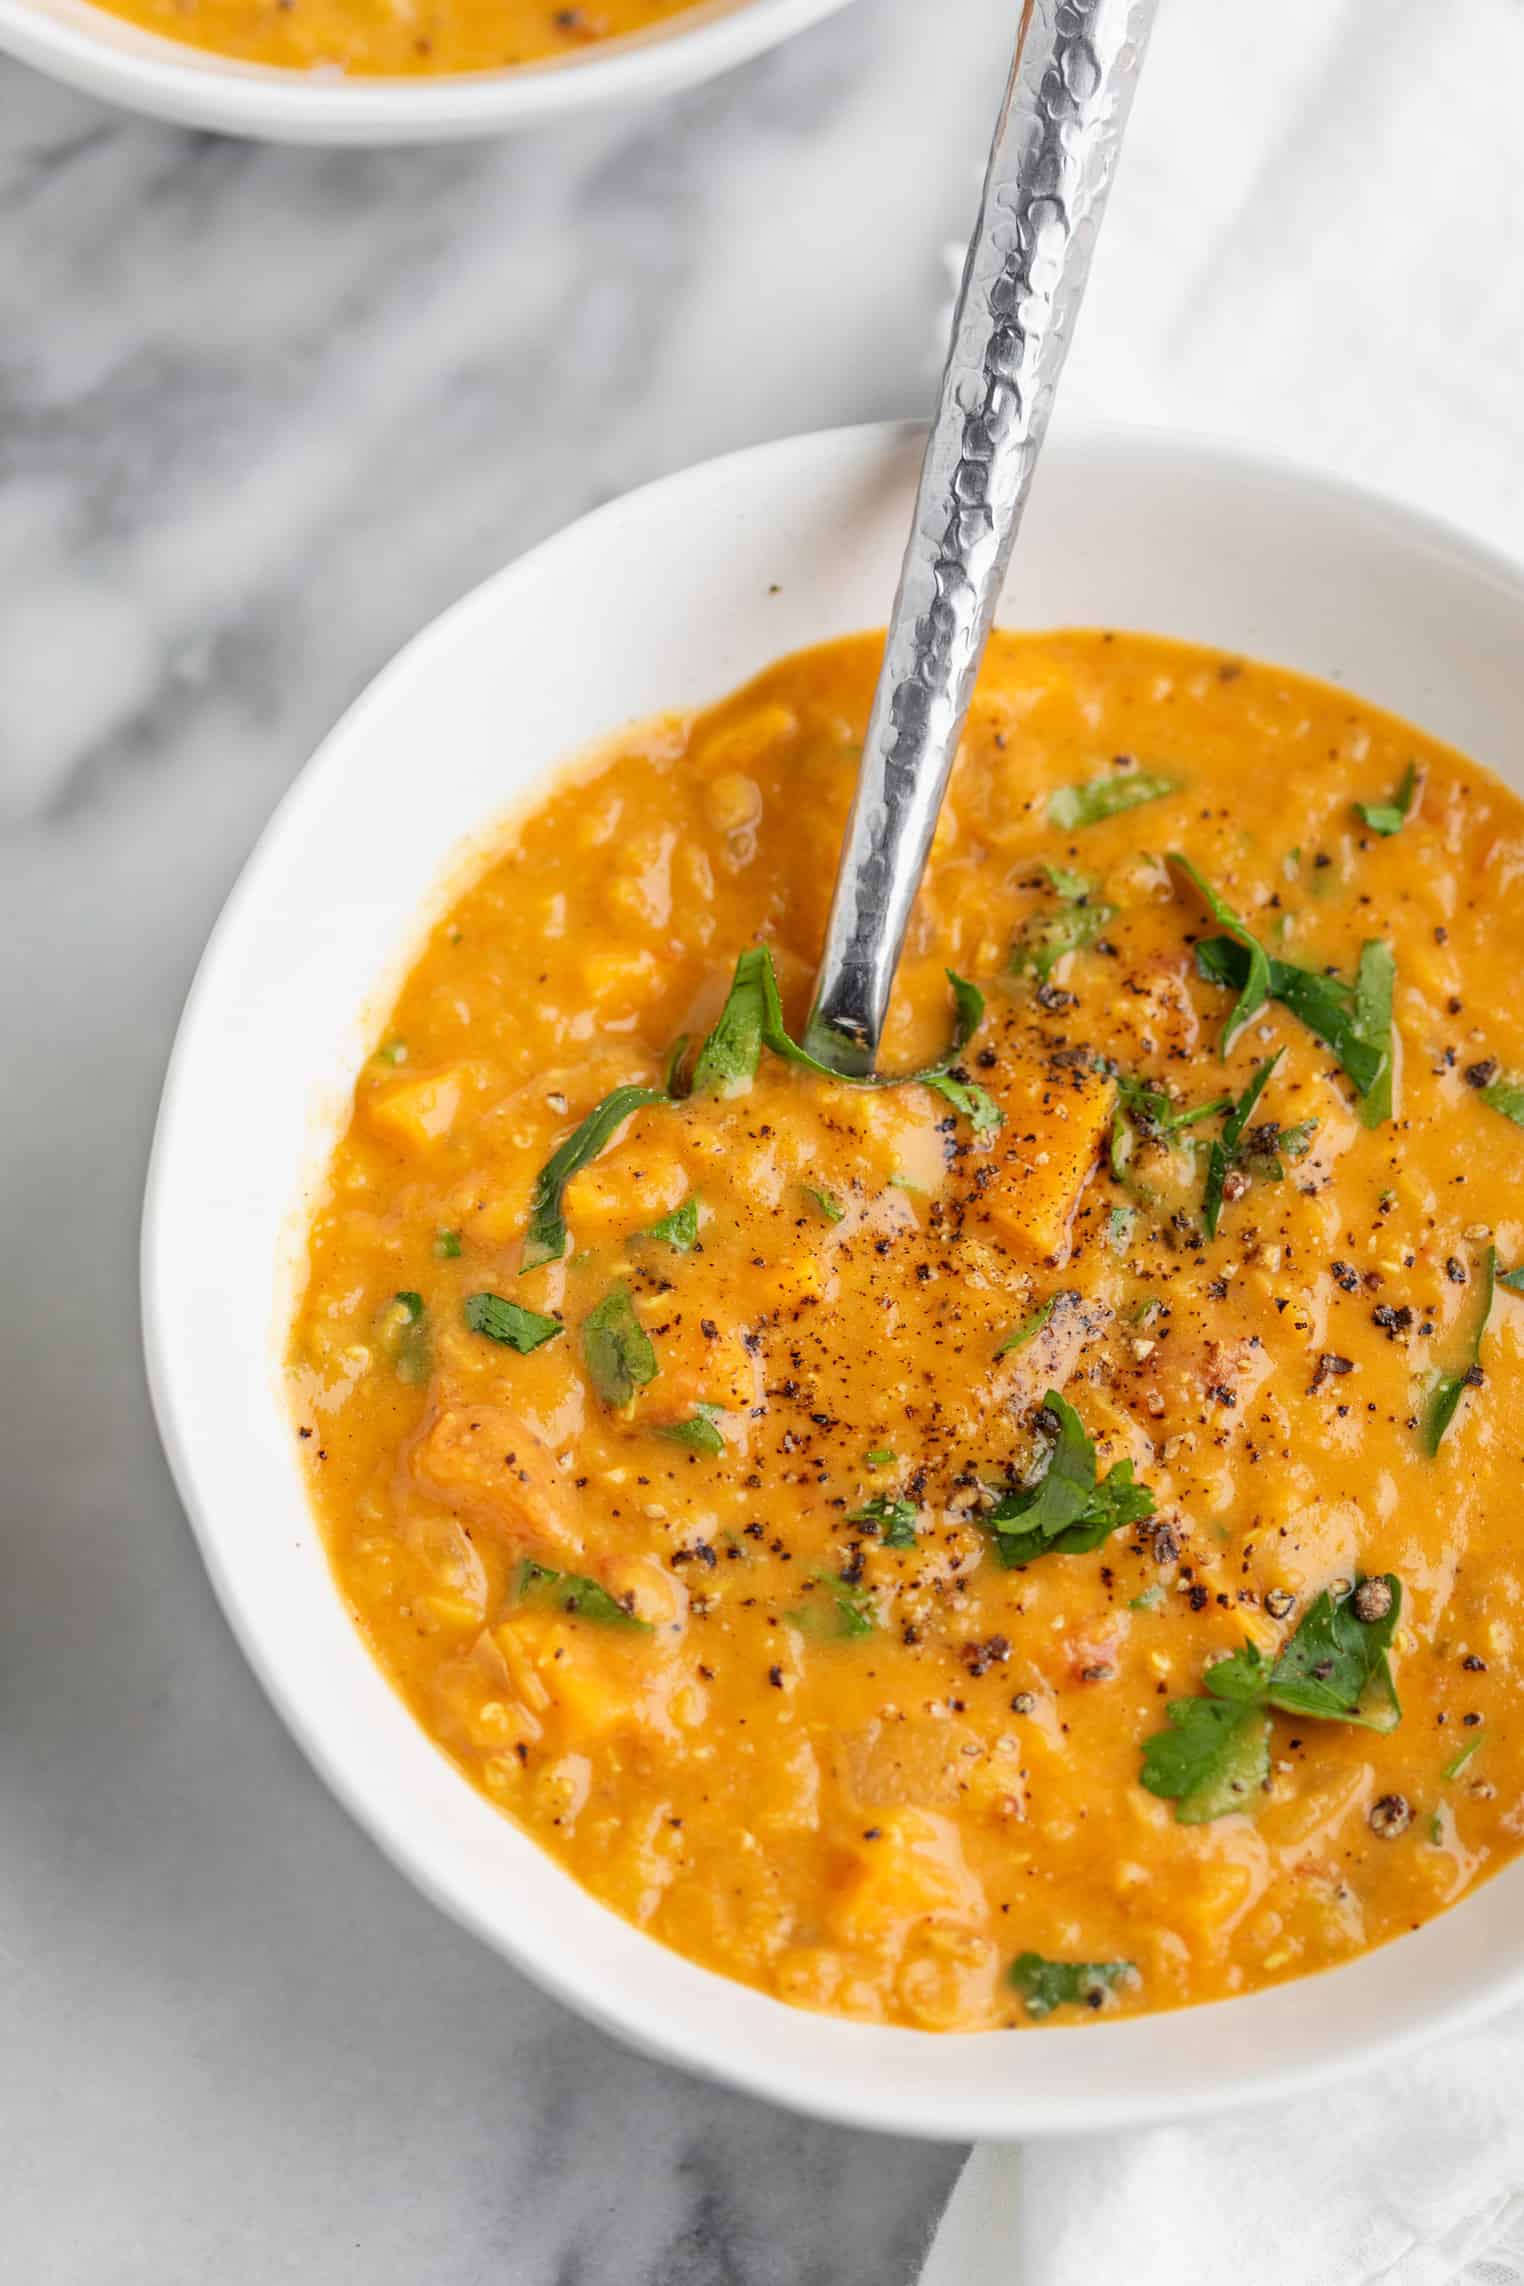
(88,47)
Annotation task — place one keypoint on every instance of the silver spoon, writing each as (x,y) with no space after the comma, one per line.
(1056,142)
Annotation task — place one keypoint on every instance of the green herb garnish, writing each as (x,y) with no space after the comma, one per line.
(1335,1667)
(508,1323)
(1448,1391)
(976,1103)
(679,1229)
(1029,1327)
(700,1433)
(1073,887)
(580,1598)
(845,1612)
(1213,1757)
(830,1209)
(1152,1599)
(405,1337)
(672,1069)
(1457,1762)
(1046,1985)
(880,1457)
(1254,986)
(727,1062)
(1375,984)
(1048,936)
(1506,1096)
(895,1520)
(1390,817)
(617,1348)
(446,1245)
(545,1236)
(752,1019)
(1355,1021)
(1097,798)
(1119,1230)
(1227,1148)
(1145,1114)
(1065,1511)
(1512,1279)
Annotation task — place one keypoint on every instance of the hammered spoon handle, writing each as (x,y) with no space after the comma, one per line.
(1056,142)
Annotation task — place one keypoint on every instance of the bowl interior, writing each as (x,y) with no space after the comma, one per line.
(670,598)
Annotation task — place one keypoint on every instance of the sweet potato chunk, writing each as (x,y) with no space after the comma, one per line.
(418,1112)
(481,1461)
(1056,1117)
(912,1869)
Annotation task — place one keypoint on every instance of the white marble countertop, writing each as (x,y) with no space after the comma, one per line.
(262,413)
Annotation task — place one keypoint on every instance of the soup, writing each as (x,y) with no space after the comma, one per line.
(1026,1541)
(379,38)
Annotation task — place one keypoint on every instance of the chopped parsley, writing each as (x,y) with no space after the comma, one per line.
(700,1433)
(506,1322)
(1097,798)
(617,1348)
(1335,1667)
(1045,1985)
(1215,1753)
(1048,936)
(727,1062)
(830,1209)
(1065,1510)
(1506,1096)
(545,1236)
(1390,817)
(881,1456)
(1211,1760)
(579,1598)
(1029,1328)
(1355,1021)
(1254,978)
(844,1612)
(405,1337)
(1445,1397)
(679,1229)
(446,1245)
(1073,887)
(1143,1113)
(752,1019)
(1227,1148)
(894,1520)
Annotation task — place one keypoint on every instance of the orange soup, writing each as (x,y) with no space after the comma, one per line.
(1029,1539)
(377,38)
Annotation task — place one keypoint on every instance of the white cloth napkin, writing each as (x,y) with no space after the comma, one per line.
(1413,2177)
(1314,246)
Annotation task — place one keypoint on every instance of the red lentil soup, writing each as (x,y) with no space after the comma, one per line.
(1027,1541)
(380,38)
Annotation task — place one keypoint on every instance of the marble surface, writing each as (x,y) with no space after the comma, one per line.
(262,413)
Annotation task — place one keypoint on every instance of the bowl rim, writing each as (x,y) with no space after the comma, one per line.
(873,2103)
(129,64)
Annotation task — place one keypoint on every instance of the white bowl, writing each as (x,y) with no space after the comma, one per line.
(670,598)
(125,64)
